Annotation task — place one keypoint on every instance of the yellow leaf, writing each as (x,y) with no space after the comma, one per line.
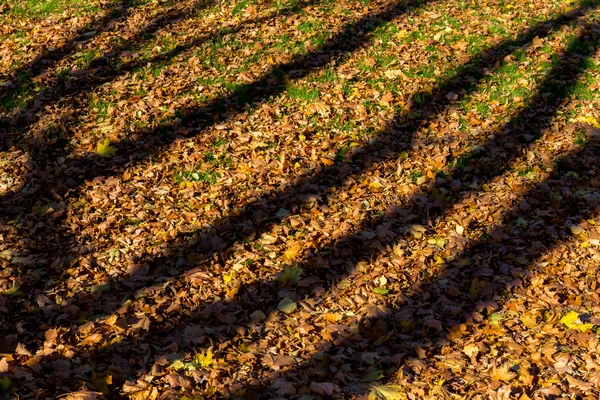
(471,350)
(402,33)
(387,392)
(292,251)
(588,120)
(375,185)
(301,137)
(332,317)
(227,278)
(571,320)
(92,339)
(104,149)
(111,320)
(577,230)
(297,165)
(204,360)
(148,393)
(503,373)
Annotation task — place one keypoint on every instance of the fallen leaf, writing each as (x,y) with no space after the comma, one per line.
(287,305)
(387,392)
(104,149)
(571,320)
(324,388)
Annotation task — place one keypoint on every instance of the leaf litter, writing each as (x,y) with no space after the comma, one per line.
(299,200)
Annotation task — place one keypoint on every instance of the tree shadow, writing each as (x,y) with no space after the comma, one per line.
(20,77)
(437,303)
(152,142)
(37,187)
(396,138)
(100,70)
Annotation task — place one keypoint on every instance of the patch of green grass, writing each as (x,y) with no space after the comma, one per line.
(386,32)
(217,160)
(483,109)
(85,57)
(365,66)
(463,161)
(340,155)
(100,108)
(319,39)
(327,76)
(44,8)
(219,142)
(16,98)
(580,138)
(195,175)
(524,172)
(240,7)
(302,93)
(309,26)
(415,175)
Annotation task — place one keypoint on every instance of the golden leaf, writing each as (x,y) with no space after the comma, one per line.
(471,350)
(588,120)
(104,149)
(387,392)
(292,251)
(503,373)
(204,360)
(571,320)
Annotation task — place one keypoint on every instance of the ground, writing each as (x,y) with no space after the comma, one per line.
(296,199)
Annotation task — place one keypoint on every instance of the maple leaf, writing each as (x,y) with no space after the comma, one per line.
(204,360)
(571,320)
(105,150)
(503,373)
(290,275)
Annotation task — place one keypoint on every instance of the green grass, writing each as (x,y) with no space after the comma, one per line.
(415,175)
(16,98)
(309,26)
(302,93)
(195,175)
(45,8)
(580,138)
(340,155)
(220,142)
(240,7)
(220,160)
(100,108)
